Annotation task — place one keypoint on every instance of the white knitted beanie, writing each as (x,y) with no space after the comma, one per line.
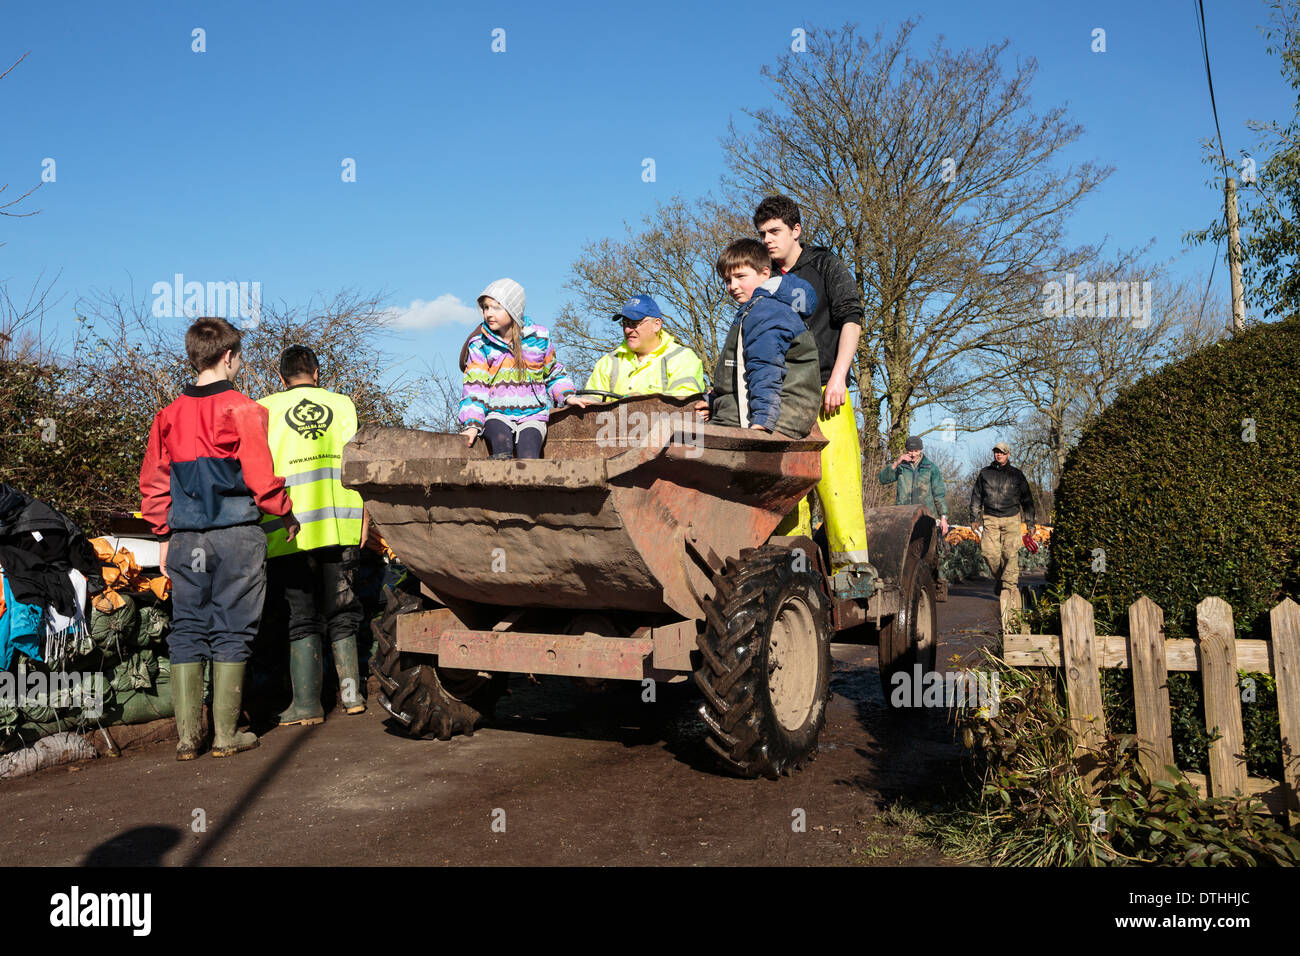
(511,296)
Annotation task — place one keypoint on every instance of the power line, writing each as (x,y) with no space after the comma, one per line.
(1213,263)
(1209,79)
(1205,53)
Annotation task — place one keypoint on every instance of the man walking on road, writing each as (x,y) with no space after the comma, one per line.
(1001,499)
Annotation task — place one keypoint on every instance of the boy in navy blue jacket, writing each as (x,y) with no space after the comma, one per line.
(768,376)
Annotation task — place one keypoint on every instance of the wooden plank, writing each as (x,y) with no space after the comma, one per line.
(1285,622)
(1082,678)
(1044,650)
(1032,650)
(1221,695)
(1269,791)
(1146,650)
(521,652)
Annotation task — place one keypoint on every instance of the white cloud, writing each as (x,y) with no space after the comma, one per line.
(445,310)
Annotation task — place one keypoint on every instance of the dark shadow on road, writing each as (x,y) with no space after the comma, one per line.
(560,707)
(249,797)
(913,752)
(143,846)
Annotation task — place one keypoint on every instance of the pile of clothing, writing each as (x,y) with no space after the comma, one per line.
(82,628)
(49,569)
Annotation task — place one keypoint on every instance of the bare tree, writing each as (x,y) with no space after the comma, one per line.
(671,257)
(23,337)
(438,401)
(122,348)
(122,345)
(341,330)
(7,206)
(939,187)
(1060,372)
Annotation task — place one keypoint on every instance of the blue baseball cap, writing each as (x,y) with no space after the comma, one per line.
(639,307)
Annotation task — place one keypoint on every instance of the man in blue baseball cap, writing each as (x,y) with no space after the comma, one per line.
(649,362)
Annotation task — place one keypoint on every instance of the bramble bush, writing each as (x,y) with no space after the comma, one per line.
(1034,806)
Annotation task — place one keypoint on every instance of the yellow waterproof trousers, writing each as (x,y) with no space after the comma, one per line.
(840,491)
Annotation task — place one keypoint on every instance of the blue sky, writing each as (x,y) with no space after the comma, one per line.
(225,165)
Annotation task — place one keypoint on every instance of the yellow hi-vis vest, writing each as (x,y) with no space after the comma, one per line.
(309,427)
(671,369)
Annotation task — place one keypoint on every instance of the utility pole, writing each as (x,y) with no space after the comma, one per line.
(1234,256)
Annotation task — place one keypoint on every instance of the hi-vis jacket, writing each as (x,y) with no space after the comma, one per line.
(671,369)
(308,428)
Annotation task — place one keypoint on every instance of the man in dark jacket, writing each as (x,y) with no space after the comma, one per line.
(766,377)
(1001,499)
(836,324)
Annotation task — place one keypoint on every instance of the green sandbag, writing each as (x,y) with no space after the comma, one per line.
(141,707)
(69,702)
(136,672)
(117,629)
(154,624)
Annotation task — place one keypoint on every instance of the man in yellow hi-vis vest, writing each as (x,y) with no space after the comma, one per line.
(649,362)
(316,571)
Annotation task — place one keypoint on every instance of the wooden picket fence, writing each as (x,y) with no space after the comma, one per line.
(1214,652)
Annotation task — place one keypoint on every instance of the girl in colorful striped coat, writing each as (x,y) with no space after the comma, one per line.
(512,377)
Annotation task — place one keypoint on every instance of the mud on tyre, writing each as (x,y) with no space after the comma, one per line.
(766,665)
(426,700)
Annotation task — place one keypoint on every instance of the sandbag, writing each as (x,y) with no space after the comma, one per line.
(154,624)
(49,751)
(115,630)
(136,672)
(140,707)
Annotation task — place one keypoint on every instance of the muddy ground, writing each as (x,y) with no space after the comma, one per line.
(562,776)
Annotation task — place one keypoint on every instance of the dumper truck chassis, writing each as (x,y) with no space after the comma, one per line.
(640,548)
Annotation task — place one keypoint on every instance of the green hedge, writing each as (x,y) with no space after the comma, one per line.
(1165,486)
(1182,507)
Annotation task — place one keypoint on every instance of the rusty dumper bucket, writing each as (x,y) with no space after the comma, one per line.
(603,522)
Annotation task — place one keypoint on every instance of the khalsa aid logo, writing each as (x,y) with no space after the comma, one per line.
(309,419)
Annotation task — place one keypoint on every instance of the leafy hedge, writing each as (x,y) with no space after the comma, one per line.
(77,449)
(1188,485)
(1183,506)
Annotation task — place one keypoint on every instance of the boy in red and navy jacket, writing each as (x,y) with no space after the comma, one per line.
(206,480)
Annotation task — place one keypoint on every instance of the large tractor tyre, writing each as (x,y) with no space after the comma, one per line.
(428,701)
(766,665)
(911,636)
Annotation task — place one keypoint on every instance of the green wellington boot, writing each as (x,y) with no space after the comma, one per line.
(349,671)
(227,695)
(305,670)
(187,702)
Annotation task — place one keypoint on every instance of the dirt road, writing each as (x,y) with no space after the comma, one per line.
(562,776)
